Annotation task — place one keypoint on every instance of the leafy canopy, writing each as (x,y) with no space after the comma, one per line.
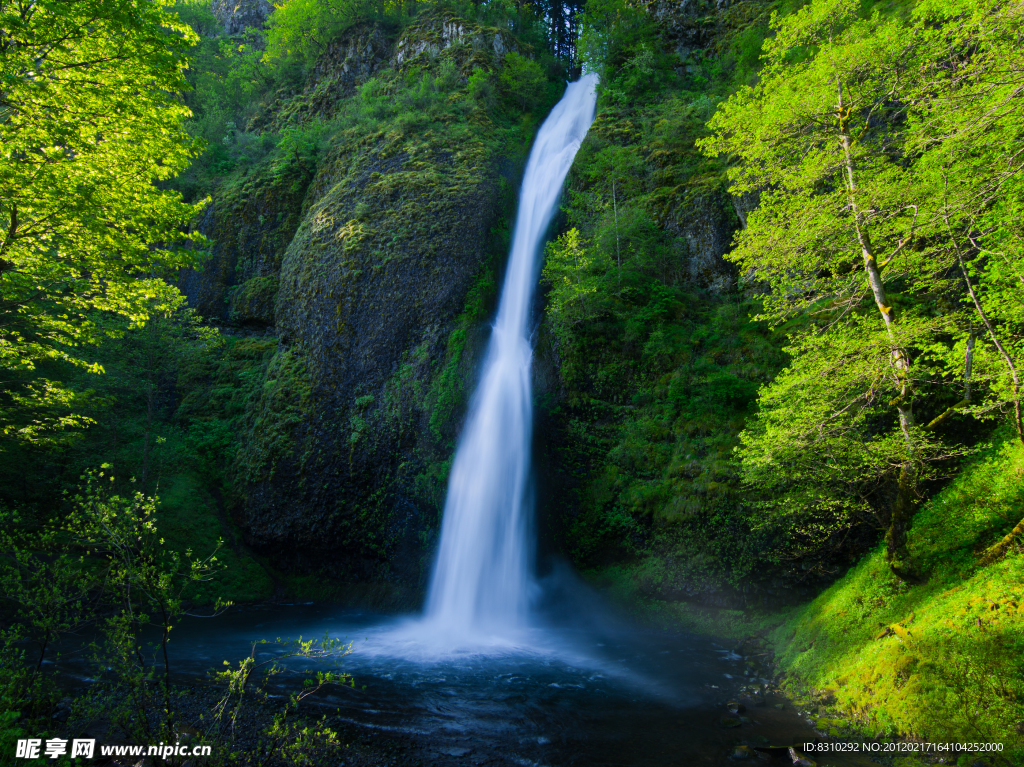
(90,128)
(882,150)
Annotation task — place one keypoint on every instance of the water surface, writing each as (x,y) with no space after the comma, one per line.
(603,694)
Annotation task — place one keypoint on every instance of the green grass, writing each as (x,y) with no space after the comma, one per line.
(942,659)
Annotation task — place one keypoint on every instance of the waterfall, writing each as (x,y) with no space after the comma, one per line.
(482,580)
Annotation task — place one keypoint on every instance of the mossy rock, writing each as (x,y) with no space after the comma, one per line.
(380,303)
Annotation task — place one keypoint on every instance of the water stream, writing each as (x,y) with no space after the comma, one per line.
(482,583)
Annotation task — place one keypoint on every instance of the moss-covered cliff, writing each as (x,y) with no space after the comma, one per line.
(369,240)
(366,231)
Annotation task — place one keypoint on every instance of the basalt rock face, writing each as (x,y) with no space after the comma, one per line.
(238,15)
(702,212)
(249,225)
(376,266)
(707,223)
(371,287)
(365,50)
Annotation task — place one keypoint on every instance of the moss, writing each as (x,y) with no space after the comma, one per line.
(253,217)
(275,416)
(450,388)
(940,659)
(254,300)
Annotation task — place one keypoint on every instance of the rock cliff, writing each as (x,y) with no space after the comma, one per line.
(375,263)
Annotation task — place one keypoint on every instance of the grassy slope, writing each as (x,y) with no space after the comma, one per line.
(941,660)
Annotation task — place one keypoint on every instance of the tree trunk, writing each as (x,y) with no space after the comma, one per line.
(615,210)
(997,551)
(906,493)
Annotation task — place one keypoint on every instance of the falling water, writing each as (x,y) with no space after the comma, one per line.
(482,580)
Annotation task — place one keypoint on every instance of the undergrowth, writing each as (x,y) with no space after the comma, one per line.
(939,659)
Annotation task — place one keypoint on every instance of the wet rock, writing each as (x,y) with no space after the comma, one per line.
(772,752)
(730,721)
(742,752)
(799,760)
(735,707)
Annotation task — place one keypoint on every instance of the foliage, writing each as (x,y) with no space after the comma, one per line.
(198,15)
(284,738)
(167,414)
(938,659)
(101,562)
(90,127)
(572,275)
(44,587)
(524,80)
(299,30)
(608,28)
(966,124)
(658,359)
(847,231)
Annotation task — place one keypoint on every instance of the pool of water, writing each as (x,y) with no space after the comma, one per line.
(597,694)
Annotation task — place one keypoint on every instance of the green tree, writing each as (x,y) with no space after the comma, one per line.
(523,80)
(966,131)
(284,738)
(831,238)
(574,276)
(90,129)
(300,30)
(104,561)
(608,30)
(142,583)
(883,152)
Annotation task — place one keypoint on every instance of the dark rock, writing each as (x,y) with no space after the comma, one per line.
(772,752)
(250,226)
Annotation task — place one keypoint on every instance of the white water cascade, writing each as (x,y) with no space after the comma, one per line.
(482,581)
